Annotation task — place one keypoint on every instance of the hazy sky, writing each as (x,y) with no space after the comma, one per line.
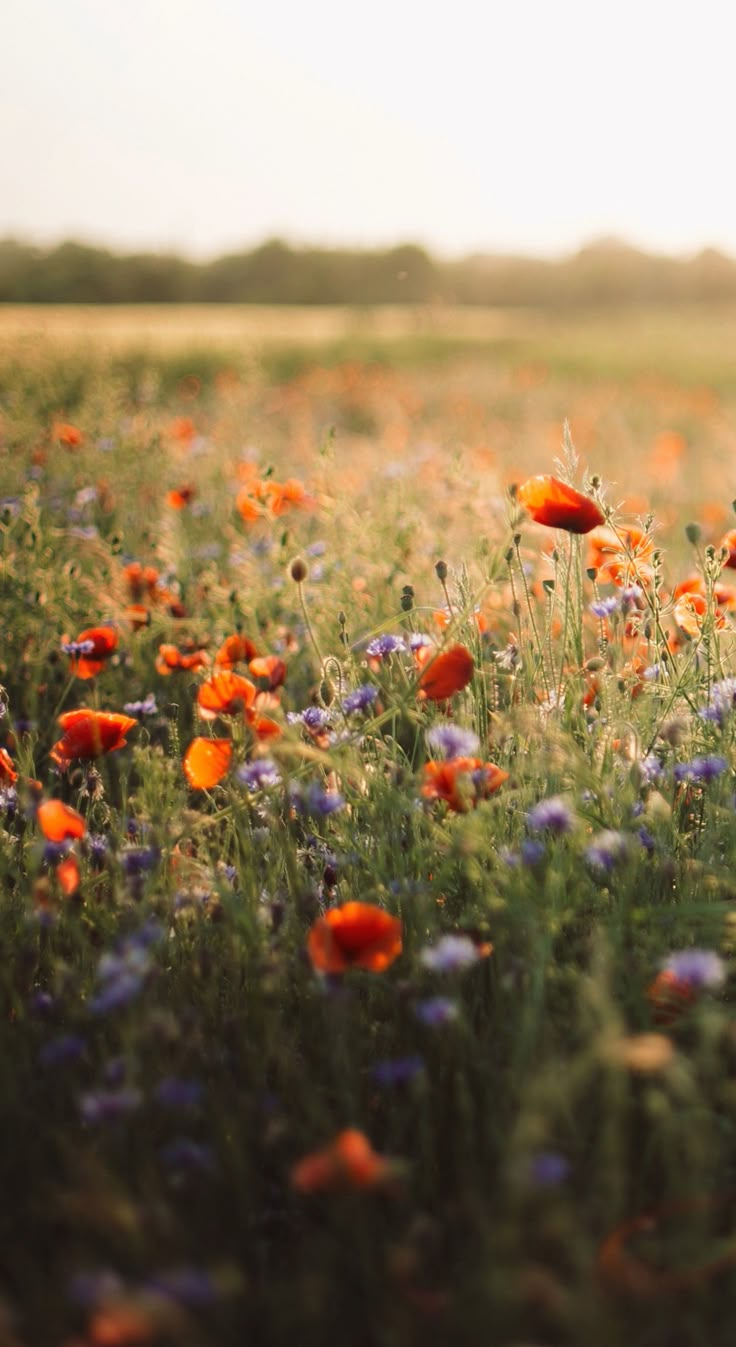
(519,125)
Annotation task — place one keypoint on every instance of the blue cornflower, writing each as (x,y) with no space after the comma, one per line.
(360,699)
(148,707)
(436,1011)
(122,974)
(721,701)
(452,741)
(532,851)
(77,648)
(175,1093)
(396,1071)
(189,1286)
(606,850)
(701,769)
(650,770)
(313,799)
(385,646)
(551,815)
(186,1156)
(317,549)
(548,1168)
(259,775)
(451,954)
(313,717)
(605,607)
(139,860)
(103,1106)
(59,1051)
(697,967)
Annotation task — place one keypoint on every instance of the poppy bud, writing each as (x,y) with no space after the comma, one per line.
(298,570)
(692,533)
(441,570)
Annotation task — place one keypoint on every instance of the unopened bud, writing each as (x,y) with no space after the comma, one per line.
(441,569)
(298,570)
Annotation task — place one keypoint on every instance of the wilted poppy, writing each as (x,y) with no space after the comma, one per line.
(225,694)
(58,822)
(100,643)
(88,734)
(446,674)
(461,782)
(235,650)
(559,506)
(206,762)
(356,935)
(349,1161)
(270,667)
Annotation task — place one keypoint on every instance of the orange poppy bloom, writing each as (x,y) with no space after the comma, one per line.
(8,774)
(170,658)
(264,727)
(141,580)
(559,506)
(207,761)
(621,557)
(270,667)
(690,613)
(462,782)
(69,876)
(724,595)
(281,496)
(58,822)
(138,616)
(182,428)
(103,642)
(67,434)
(88,734)
(356,935)
(446,674)
(235,650)
(180,496)
(248,508)
(349,1161)
(225,694)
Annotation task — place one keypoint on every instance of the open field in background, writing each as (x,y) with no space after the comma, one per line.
(227,1117)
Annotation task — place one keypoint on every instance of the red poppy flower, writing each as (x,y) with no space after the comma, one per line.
(356,935)
(58,822)
(170,658)
(264,727)
(235,650)
(248,508)
(446,674)
(8,774)
(462,782)
(67,434)
(669,997)
(88,734)
(349,1161)
(559,506)
(68,875)
(180,496)
(103,642)
(282,496)
(225,694)
(622,557)
(270,667)
(207,761)
(182,428)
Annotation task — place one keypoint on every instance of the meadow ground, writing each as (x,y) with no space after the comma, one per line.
(368,828)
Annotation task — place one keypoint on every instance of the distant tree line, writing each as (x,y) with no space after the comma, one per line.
(277,273)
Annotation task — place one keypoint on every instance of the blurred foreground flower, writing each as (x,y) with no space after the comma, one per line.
(88,734)
(356,935)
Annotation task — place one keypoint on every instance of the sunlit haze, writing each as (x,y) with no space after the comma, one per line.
(525,127)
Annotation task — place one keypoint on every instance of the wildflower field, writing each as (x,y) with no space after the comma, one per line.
(367,833)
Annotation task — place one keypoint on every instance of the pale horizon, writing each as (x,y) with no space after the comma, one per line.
(170,128)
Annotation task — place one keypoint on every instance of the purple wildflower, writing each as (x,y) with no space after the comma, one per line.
(721,702)
(314,799)
(532,851)
(385,646)
(59,1051)
(551,815)
(451,954)
(396,1071)
(697,967)
(701,769)
(313,717)
(607,850)
(650,770)
(436,1011)
(148,707)
(259,775)
(605,607)
(360,699)
(452,741)
(139,860)
(77,648)
(103,1106)
(548,1168)
(178,1094)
